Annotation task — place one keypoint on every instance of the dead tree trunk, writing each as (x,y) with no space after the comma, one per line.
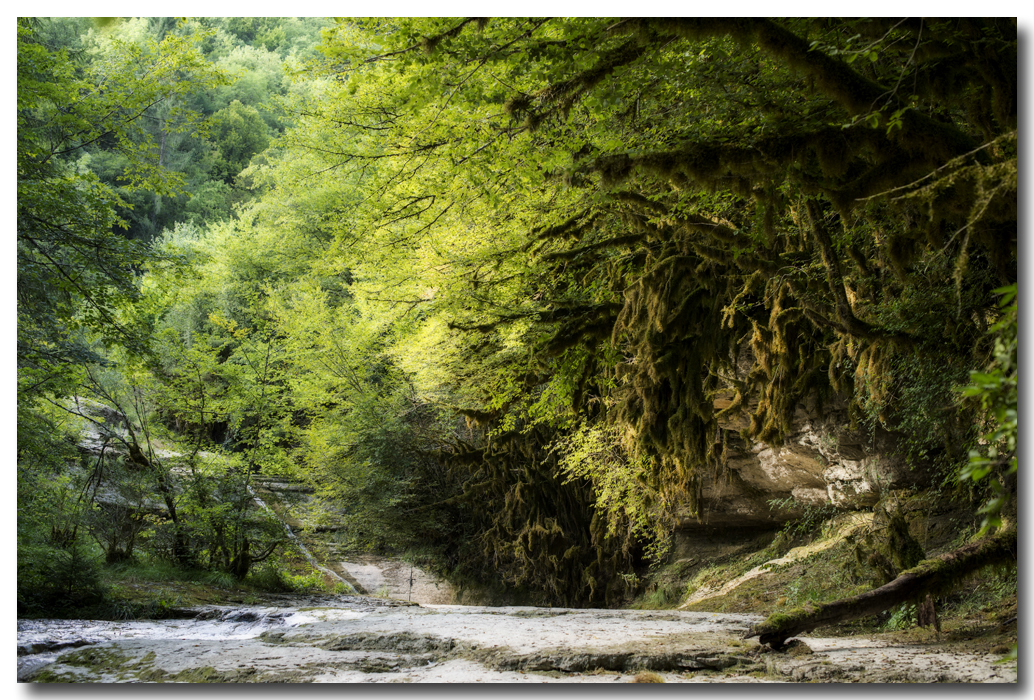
(934,576)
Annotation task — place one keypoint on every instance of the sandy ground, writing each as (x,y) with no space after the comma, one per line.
(359,639)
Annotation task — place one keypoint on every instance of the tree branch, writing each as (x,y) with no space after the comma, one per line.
(931,576)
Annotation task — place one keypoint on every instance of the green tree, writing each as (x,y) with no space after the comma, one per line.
(74,269)
(77,274)
(786,218)
(996,389)
(238,133)
(638,217)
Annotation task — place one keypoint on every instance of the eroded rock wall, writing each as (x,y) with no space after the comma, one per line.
(822,462)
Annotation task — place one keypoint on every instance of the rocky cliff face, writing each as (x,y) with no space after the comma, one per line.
(823,462)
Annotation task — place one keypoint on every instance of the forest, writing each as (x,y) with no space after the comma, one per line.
(494,288)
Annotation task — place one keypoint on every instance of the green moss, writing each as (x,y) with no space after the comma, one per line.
(204,674)
(99,658)
(47,675)
(96,661)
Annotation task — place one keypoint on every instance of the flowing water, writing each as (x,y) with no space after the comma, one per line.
(348,638)
(339,639)
(41,641)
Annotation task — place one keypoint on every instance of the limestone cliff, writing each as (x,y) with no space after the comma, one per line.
(822,462)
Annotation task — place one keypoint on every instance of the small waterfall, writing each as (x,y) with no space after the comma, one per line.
(301,547)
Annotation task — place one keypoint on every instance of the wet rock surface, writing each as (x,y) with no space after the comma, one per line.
(365,639)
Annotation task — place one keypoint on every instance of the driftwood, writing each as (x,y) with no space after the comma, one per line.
(931,576)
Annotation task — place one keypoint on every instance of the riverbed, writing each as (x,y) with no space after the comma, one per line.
(376,640)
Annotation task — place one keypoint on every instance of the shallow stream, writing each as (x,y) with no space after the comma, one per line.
(337,639)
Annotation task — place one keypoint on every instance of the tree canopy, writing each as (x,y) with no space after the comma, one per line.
(836,195)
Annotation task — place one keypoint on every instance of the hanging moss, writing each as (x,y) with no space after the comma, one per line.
(533,530)
(796,240)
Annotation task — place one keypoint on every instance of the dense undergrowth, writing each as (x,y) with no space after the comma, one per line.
(83,586)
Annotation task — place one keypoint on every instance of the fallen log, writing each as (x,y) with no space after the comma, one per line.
(931,576)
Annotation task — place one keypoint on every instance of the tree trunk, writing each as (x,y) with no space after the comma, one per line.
(180,545)
(931,576)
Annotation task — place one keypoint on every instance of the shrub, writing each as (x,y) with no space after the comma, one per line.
(58,581)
